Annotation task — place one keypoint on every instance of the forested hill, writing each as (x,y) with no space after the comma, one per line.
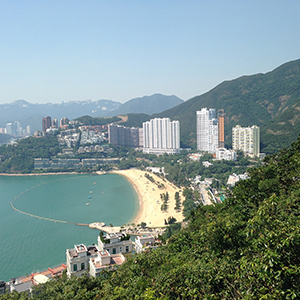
(271,101)
(248,247)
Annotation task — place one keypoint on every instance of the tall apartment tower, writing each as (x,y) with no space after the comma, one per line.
(221,142)
(54,123)
(246,139)
(207,130)
(64,121)
(160,136)
(46,123)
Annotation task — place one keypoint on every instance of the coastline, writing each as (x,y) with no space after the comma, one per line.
(149,198)
(150,202)
(41,174)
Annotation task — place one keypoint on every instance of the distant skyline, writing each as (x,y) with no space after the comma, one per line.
(54,51)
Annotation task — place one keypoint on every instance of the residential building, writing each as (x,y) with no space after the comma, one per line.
(225,154)
(104,260)
(115,243)
(22,284)
(234,178)
(78,259)
(246,139)
(28,129)
(146,242)
(13,128)
(221,125)
(123,136)
(160,136)
(46,123)
(82,259)
(207,130)
(54,123)
(195,156)
(64,121)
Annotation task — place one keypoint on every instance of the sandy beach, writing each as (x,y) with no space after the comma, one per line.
(149,196)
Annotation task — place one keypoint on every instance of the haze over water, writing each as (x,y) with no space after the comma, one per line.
(29,244)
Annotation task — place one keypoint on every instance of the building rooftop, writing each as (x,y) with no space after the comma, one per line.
(90,250)
(115,260)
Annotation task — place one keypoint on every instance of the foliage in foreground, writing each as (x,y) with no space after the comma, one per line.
(248,247)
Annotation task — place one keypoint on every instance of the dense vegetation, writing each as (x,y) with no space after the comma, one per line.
(87,120)
(248,247)
(18,158)
(4,138)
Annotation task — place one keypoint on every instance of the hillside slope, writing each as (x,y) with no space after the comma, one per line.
(269,100)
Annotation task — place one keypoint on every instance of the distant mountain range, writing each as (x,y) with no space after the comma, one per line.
(31,114)
(147,105)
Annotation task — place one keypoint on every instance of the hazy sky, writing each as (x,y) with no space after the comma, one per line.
(65,50)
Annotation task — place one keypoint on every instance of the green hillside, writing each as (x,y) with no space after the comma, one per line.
(248,247)
(268,100)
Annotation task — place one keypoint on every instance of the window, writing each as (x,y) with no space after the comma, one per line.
(114,250)
(120,249)
(82,266)
(75,267)
(127,248)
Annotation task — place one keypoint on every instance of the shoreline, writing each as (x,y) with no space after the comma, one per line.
(149,198)
(46,174)
(150,202)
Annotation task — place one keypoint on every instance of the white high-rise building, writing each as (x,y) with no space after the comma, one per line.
(246,139)
(161,136)
(207,130)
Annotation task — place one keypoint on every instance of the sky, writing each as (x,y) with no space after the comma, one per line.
(70,50)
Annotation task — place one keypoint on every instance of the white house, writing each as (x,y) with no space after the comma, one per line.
(115,243)
(146,242)
(91,260)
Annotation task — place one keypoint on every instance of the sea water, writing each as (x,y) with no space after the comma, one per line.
(29,243)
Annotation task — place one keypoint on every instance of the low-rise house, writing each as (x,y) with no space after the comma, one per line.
(225,154)
(78,259)
(115,243)
(82,259)
(146,242)
(104,260)
(234,178)
(206,164)
(22,284)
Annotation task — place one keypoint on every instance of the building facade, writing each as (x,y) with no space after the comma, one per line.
(123,136)
(46,123)
(246,139)
(207,130)
(160,136)
(64,121)
(225,154)
(115,243)
(82,259)
(221,127)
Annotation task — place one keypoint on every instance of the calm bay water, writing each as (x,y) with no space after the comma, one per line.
(28,244)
